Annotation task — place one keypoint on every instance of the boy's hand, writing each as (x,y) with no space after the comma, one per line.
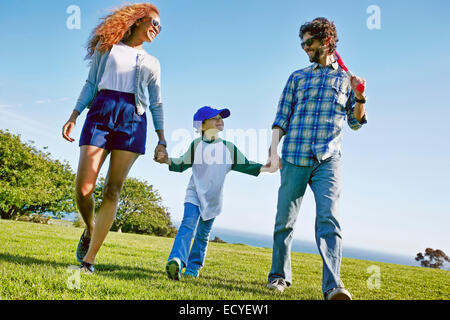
(265,168)
(162,157)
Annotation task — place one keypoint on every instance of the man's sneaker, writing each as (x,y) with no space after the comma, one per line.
(173,269)
(277,284)
(337,294)
(191,273)
(87,268)
(83,246)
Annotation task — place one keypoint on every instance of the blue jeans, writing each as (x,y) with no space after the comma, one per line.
(192,259)
(324,179)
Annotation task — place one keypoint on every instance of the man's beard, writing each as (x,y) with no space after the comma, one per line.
(317,54)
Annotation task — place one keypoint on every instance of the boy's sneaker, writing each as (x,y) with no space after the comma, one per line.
(337,294)
(87,268)
(277,284)
(173,269)
(191,273)
(83,246)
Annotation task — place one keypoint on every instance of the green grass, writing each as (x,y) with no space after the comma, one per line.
(34,262)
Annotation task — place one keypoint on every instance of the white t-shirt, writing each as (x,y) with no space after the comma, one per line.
(120,69)
(211,161)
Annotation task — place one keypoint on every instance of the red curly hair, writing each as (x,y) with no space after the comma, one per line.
(117,26)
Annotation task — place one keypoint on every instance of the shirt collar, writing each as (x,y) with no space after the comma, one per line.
(204,139)
(332,63)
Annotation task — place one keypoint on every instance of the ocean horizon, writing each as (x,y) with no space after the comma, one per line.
(301,246)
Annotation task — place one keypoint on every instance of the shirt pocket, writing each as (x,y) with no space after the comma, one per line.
(303,96)
(340,95)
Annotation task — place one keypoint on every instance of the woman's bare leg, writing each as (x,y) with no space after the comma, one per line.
(89,165)
(120,164)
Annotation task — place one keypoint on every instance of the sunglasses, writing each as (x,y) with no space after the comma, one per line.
(308,42)
(156,24)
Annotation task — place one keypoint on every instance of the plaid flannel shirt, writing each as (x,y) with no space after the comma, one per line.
(312,111)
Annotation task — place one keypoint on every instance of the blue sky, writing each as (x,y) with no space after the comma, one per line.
(239,54)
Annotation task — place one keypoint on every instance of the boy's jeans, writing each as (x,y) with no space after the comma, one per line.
(324,179)
(195,259)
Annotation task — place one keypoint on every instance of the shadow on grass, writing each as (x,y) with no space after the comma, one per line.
(110,271)
(257,287)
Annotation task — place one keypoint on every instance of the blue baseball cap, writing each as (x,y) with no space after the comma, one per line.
(205,113)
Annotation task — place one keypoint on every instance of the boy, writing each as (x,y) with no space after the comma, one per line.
(211,158)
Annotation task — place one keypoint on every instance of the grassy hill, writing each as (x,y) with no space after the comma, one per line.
(34,261)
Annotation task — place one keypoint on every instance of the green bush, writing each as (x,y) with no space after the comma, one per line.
(32,182)
(140,209)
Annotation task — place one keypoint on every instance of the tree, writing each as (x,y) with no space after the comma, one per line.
(436,258)
(139,210)
(32,182)
(218,240)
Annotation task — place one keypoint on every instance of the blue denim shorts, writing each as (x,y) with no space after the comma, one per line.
(112,123)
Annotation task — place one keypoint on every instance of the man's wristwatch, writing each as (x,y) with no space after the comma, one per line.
(362,101)
(162,143)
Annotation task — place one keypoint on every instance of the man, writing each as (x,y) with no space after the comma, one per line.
(311,114)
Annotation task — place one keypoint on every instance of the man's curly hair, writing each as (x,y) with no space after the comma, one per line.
(117,26)
(320,28)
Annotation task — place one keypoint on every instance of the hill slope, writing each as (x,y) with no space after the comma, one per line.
(34,261)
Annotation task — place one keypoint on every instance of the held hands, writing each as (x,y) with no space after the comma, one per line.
(161,155)
(273,163)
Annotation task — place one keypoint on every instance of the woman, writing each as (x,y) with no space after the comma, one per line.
(115,92)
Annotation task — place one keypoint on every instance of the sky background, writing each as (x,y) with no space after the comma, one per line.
(239,54)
